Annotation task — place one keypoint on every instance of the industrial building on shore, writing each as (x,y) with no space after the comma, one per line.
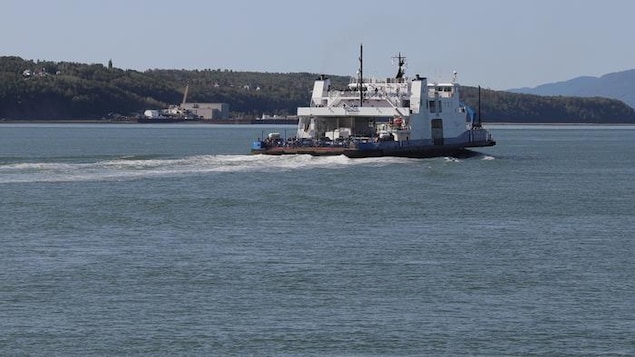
(208,111)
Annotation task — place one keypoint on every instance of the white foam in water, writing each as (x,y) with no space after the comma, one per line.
(488,158)
(127,168)
(130,168)
(451,159)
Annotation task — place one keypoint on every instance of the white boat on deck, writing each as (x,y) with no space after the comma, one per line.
(391,117)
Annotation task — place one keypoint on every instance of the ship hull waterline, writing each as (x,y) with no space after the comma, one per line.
(460,150)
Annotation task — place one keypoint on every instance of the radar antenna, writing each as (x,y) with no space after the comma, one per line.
(401,62)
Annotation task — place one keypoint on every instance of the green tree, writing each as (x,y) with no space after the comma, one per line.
(71,90)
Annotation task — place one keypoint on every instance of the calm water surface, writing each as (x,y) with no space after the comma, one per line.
(172,240)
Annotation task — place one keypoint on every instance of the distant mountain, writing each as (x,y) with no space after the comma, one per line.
(618,85)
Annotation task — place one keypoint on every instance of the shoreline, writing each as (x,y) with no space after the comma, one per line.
(187,122)
(263,122)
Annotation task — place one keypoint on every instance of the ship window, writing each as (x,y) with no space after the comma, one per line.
(434,104)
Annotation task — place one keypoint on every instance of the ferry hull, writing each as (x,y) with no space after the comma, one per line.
(410,152)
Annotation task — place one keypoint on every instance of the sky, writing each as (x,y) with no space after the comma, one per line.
(497,44)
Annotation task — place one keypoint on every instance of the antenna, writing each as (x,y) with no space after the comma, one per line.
(478,123)
(361,75)
(401,61)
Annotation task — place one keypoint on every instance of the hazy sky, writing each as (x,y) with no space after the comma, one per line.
(497,44)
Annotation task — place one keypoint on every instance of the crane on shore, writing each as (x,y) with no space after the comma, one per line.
(187,87)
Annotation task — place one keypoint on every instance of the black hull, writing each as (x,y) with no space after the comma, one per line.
(409,152)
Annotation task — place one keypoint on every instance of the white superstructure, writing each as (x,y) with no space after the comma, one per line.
(401,108)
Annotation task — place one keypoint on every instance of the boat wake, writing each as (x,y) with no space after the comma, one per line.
(132,167)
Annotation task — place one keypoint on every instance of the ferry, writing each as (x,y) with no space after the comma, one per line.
(382,117)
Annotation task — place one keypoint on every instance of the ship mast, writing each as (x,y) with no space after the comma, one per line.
(478,122)
(401,62)
(361,75)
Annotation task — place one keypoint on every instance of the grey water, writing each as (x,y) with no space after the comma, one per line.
(173,240)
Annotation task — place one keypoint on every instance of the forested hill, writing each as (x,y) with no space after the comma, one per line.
(499,107)
(44,90)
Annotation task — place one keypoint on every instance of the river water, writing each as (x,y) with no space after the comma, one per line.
(173,240)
